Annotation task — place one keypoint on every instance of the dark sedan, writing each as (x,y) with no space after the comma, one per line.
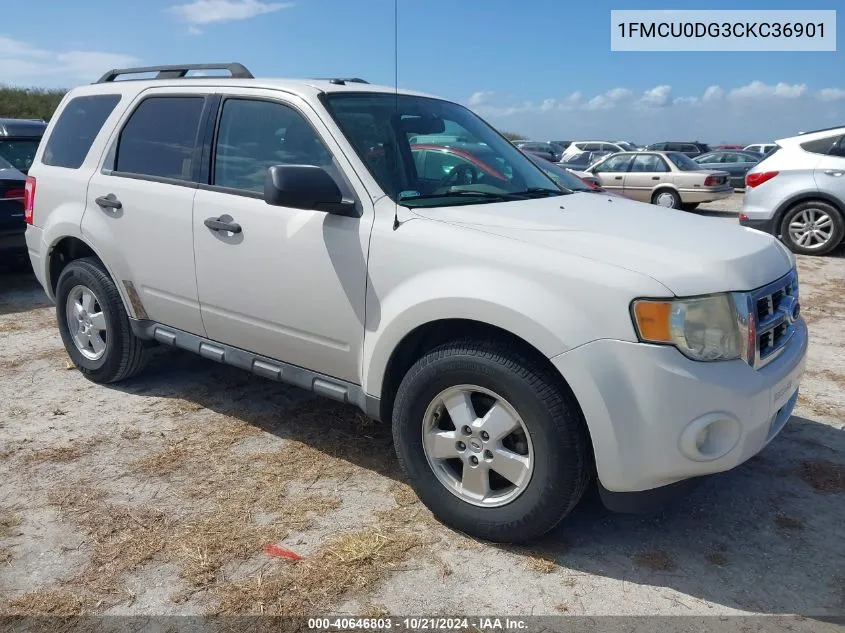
(12,225)
(737,164)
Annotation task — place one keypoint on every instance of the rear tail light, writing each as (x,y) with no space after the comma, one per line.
(14,194)
(743,217)
(29,199)
(711,181)
(757,179)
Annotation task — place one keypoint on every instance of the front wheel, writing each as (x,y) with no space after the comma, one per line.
(94,325)
(490,440)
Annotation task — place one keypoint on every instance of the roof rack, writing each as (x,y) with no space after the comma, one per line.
(824,129)
(342,81)
(178,71)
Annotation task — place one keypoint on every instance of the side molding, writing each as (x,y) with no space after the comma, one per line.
(320,384)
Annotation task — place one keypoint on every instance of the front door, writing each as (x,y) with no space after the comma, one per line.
(291,283)
(611,173)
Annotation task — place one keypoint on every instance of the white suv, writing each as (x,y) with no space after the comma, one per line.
(520,337)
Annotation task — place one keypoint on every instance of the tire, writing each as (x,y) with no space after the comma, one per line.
(555,440)
(670,196)
(830,227)
(123,353)
(689,206)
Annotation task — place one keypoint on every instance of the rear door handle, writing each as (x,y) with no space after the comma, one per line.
(109,201)
(834,172)
(223,223)
(618,178)
(655,177)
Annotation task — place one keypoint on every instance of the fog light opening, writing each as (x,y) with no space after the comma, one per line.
(710,437)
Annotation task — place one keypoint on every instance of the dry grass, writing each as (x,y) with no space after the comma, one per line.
(786,522)
(562,607)
(540,565)
(9,520)
(58,601)
(50,354)
(654,560)
(824,476)
(345,564)
(10,326)
(826,302)
(374,611)
(64,453)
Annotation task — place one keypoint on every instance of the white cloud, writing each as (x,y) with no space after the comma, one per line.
(759,90)
(680,101)
(608,100)
(548,104)
(210,11)
(194,30)
(479,98)
(831,94)
(656,97)
(21,63)
(713,93)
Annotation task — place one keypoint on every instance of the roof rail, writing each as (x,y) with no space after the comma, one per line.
(177,71)
(342,81)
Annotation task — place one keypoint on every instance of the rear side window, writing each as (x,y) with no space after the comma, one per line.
(75,131)
(160,138)
(825,145)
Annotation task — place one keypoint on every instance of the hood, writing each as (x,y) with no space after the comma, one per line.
(687,253)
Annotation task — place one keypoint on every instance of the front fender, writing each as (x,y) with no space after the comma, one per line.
(525,308)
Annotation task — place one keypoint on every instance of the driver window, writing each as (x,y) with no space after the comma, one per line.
(256,135)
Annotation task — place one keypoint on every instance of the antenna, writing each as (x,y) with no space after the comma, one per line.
(396,222)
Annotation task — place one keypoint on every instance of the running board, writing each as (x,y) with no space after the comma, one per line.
(320,384)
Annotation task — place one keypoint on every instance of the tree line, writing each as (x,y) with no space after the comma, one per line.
(29,103)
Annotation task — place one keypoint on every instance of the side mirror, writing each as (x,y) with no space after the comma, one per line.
(306,187)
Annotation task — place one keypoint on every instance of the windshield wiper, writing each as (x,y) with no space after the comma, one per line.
(537,192)
(465,193)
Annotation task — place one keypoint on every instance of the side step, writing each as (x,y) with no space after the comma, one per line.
(320,384)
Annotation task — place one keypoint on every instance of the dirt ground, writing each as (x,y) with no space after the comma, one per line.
(158,496)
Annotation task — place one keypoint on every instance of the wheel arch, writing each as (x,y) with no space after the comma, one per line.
(67,248)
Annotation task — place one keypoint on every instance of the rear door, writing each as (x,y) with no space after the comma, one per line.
(647,172)
(140,204)
(829,173)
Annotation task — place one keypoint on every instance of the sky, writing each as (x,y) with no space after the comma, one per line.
(540,68)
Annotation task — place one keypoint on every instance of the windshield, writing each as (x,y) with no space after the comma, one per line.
(19,153)
(428,152)
(560,175)
(683,162)
(630,147)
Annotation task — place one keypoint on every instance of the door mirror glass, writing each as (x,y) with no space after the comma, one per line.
(306,187)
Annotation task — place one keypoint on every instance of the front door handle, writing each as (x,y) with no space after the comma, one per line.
(655,177)
(223,223)
(109,201)
(618,178)
(834,172)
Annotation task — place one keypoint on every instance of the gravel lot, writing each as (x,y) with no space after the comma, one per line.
(159,495)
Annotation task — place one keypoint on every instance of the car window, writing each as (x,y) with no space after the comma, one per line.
(439,164)
(75,131)
(255,135)
(732,158)
(683,162)
(591,147)
(824,145)
(649,163)
(159,138)
(838,148)
(690,148)
(709,159)
(19,152)
(617,163)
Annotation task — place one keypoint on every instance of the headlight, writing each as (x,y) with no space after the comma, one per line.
(702,328)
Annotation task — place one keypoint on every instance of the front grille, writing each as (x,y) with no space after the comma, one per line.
(776,309)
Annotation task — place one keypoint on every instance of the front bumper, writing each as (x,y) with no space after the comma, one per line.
(645,404)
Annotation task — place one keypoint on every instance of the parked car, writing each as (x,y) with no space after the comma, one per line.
(627,146)
(19,139)
(760,148)
(519,338)
(718,147)
(12,225)
(577,147)
(797,192)
(569,179)
(541,148)
(735,163)
(582,160)
(691,149)
(667,179)
(562,144)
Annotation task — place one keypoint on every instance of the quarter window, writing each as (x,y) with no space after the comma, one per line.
(256,135)
(75,131)
(160,138)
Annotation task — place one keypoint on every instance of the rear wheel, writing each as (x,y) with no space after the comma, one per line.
(667,198)
(490,441)
(812,228)
(94,325)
